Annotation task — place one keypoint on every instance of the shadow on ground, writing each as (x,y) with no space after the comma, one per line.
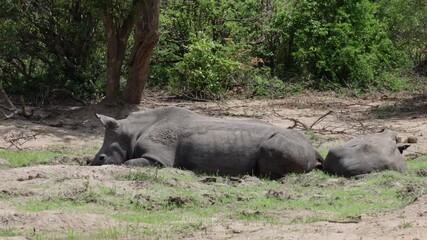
(63,123)
(411,107)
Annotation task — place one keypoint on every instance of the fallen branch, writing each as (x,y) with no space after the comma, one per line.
(295,121)
(18,141)
(330,131)
(305,127)
(320,119)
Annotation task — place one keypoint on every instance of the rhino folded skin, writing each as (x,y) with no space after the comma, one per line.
(176,137)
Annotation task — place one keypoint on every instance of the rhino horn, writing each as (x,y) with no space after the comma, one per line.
(108,122)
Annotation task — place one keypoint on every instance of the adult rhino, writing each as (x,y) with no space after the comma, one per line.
(176,137)
(365,154)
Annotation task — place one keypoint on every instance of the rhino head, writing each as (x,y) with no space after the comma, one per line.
(113,150)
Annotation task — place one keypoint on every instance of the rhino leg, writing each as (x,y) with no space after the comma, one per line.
(140,162)
(280,155)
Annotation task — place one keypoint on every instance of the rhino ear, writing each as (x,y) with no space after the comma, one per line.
(108,122)
(402,147)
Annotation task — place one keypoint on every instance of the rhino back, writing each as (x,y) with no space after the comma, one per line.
(154,116)
(228,149)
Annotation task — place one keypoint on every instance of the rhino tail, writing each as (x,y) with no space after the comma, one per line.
(319,160)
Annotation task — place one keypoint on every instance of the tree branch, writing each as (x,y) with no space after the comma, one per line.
(320,119)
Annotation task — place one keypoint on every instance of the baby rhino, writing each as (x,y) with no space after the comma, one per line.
(365,154)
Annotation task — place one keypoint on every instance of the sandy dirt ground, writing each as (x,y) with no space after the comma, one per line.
(327,119)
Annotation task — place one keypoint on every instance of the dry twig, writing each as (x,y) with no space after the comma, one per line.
(18,141)
(320,119)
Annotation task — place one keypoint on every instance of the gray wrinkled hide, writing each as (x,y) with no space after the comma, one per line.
(365,154)
(176,137)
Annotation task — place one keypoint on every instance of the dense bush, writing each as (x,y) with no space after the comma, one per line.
(50,46)
(334,43)
(326,44)
(406,22)
(210,47)
(207,70)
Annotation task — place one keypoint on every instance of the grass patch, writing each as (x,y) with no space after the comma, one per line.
(126,232)
(42,204)
(173,203)
(323,152)
(8,232)
(22,158)
(417,164)
(142,174)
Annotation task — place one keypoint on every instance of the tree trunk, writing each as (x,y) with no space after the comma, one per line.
(5,101)
(113,70)
(117,38)
(146,38)
(6,104)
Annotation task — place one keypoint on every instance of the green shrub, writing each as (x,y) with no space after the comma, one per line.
(335,42)
(207,70)
(46,47)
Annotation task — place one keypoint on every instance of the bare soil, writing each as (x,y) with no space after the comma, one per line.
(327,119)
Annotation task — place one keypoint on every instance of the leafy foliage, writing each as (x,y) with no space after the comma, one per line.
(334,42)
(210,47)
(406,25)
(49,46)
(206,70)
(326,44)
